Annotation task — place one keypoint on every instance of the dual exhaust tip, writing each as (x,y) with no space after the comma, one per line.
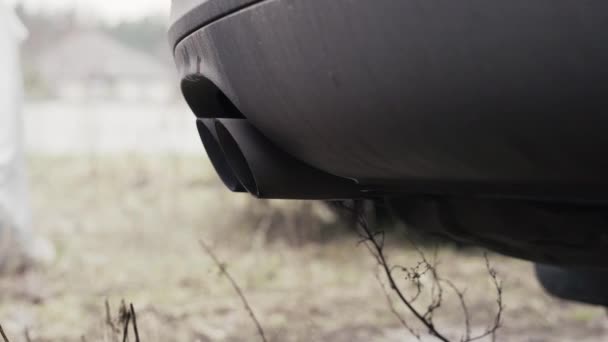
(246,161)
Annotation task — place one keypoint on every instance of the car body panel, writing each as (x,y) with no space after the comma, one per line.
(484,97)
(189,15)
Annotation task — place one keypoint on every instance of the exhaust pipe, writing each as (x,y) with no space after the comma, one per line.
(268,172)
(207,132)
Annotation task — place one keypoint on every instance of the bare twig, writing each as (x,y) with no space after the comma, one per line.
(377,248)
(491,331)
(393,309)
(109,321)
(134,323)
(414,275)
(3,334)
(463,306)
(26,334)
(125,333)
(124,317)
(374,241)
(236,288)
(436,292)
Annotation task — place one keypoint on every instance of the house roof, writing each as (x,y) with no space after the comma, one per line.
(91,54)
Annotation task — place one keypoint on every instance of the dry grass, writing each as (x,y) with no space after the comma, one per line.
(128,227)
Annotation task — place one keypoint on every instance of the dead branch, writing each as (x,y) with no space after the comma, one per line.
(109,321)
(374,241)
(436,294)
(396,313)
(414,275)
(463,306)
(124,316)
(491,331)
(134,323)
(26,334)
(125,333)
(236,288)
(377,248)
(3,334)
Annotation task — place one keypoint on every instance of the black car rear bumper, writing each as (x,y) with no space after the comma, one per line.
(187,16)
(488,98)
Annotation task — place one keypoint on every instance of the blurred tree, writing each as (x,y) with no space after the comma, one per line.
(148,34)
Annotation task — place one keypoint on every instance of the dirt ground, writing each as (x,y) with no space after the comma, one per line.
(128,227)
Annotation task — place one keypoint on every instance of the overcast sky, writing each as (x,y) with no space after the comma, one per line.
(108,10)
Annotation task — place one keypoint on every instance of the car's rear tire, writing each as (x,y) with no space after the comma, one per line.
(582,285)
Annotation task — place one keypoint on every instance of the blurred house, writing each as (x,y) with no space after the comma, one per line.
(91,65)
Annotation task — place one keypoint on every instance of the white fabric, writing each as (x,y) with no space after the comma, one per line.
(14,199)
